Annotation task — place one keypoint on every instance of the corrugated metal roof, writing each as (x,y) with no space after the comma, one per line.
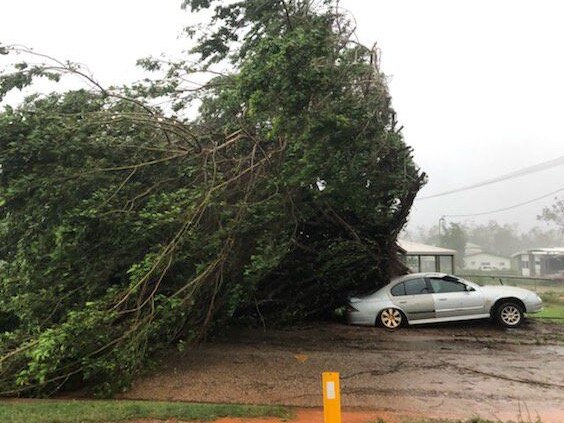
(416,248)
(486,254)
(542,251)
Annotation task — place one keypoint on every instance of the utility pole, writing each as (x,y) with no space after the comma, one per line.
(441,222)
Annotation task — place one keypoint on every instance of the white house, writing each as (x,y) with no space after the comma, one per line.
(472,248)
(486,262)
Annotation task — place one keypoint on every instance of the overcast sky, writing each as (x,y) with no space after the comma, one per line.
(478,85)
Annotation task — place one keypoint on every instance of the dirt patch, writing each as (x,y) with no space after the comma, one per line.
(456,371)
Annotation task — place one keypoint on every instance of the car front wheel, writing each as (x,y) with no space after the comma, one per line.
(509,314)
(391,318)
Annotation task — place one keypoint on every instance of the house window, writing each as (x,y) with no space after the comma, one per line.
(428,264)
(412,263)
(445,264)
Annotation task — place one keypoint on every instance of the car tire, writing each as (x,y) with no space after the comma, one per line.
(509,314)
(391,318)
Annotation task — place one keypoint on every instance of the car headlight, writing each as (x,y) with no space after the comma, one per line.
(535,297)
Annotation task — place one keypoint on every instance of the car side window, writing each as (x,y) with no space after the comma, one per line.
(444,285)
(416,287)
(397,290)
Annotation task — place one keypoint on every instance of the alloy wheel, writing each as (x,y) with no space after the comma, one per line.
(391,318)
(510,315)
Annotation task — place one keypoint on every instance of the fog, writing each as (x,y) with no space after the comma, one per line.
(477,84)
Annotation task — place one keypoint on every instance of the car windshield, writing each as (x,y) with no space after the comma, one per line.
(461,280)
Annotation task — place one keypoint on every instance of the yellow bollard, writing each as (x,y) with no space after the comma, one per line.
(331,397)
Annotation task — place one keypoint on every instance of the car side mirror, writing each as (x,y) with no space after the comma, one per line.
(469,288)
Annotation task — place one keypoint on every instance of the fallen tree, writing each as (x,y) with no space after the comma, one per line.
(125,228)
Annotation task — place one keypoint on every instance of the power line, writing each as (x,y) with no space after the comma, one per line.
(506,208)
(521,172)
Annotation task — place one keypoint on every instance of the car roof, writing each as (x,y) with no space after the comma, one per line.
(427,275)
(419,275)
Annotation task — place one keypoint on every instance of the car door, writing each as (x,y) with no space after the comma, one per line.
(414,297)
(452,298)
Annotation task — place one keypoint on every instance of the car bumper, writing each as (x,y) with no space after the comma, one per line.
(533,306)
(358,318)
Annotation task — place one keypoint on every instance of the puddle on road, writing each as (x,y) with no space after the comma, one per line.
(558,349)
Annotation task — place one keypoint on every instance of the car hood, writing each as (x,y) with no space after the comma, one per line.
(495,290)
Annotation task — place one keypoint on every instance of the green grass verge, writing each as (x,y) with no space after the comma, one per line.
(118,411)
(553,307)
(551,311)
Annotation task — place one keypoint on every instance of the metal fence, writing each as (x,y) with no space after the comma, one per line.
(537,284)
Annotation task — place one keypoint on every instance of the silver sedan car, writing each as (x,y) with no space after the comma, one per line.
(437,297)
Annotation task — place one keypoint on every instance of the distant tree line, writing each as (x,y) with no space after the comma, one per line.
(493,237)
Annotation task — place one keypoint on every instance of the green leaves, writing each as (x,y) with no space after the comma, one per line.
(123,230)
(23,77)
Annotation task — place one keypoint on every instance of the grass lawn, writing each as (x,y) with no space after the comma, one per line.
(553,307)
(551,311)
(115,411)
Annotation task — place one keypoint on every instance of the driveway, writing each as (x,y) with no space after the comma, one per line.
(458,370)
